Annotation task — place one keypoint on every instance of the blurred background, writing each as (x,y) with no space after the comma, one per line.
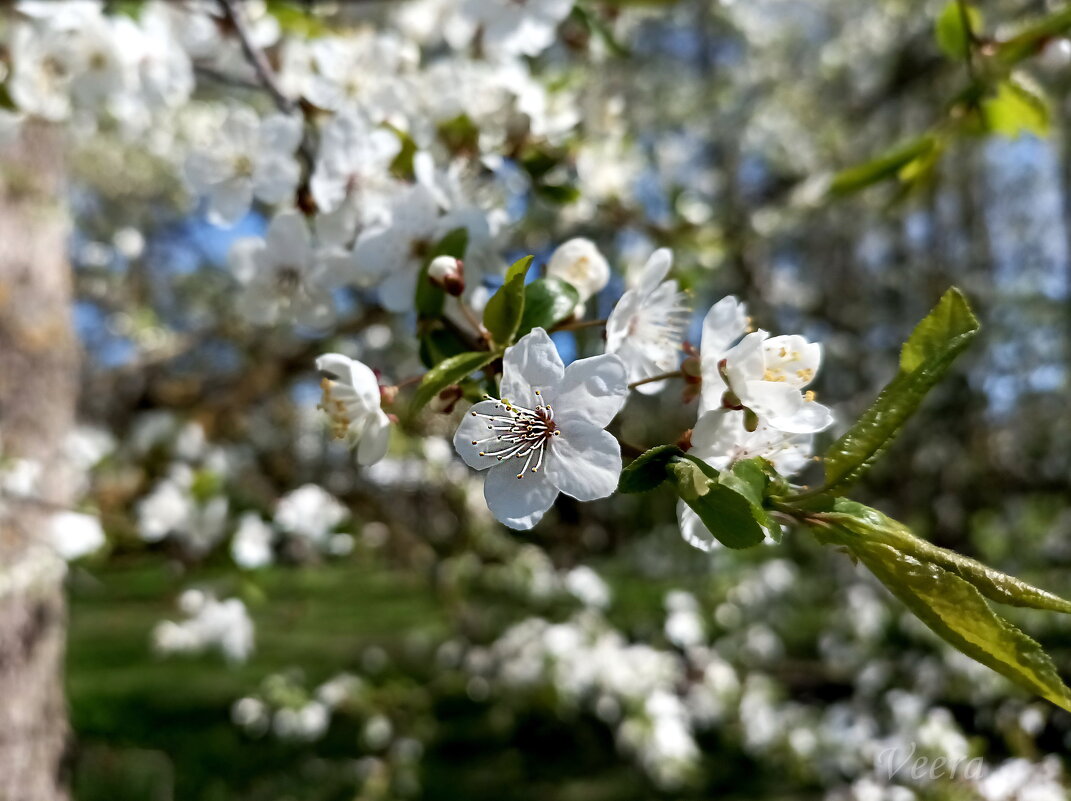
(267,621)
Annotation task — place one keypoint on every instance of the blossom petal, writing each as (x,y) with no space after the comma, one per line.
(275,178)
(592,391)
(809,418)
(374,439)
(519,503)
(745,361)
(280,133)
(289,240)
(716,435)
(692,529)
(475,428)
(792,359)
(654,271)
(354,374)
(397,292)
(532,363)
(229,201)
(725,323)
(584,462)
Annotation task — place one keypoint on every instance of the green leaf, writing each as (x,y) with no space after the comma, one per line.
(547,301)
(953,37)
(728,515)
(749,478)
(888,165)
(870,525)
(430,298)
(956,611)
(438,343)
(925,358)
(502,315)
(1017,108)
(449,372)
(561,194)
(648,470)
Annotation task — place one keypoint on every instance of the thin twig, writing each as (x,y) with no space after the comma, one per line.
(660,377)
(256,57)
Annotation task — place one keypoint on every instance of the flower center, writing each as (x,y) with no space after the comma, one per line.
(521,433)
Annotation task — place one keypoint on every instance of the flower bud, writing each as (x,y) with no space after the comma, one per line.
(579,263)
(448,274)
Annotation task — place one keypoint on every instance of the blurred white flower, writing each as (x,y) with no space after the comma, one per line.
(533,451)
(281,276)
(210,624)
(352,401)
(508,28)
(251,546)
(75,535)
(352,162)
(579,262)
(647,326)
(587,586)
(310,512)
(246,157)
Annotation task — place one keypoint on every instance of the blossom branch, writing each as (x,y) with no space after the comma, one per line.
(256,57)
(659,377)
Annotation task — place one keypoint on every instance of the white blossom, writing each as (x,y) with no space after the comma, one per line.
(282,276)
(579,262)
(246,157)
(352,162)
(509,28)
(647,326)
(546,435)
(352,401)
(211,624)
(251,546)
(74,534)
(309,512)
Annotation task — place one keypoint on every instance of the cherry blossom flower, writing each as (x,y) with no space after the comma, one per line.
(721,439)
(352,400)
(578,262)
(646,328)
(282,276)
(247,157)
(353,160)
(509,28)
(546,435)
(310,512)
(723,326)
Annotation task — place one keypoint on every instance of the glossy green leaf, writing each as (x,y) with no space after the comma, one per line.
(929,352)
(727,514)
(547,301)
(870,525)
(430,298)
(956,611)
(449,372)
(953,37)
(748,477)
(1017,108)
(648,470)
(503,312)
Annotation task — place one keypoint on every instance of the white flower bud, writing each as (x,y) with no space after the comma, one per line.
(579,263)
(447,273)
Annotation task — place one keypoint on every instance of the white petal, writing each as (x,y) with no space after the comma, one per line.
(619,323)
(289,241)
(655,270)
(770,399)
(592,391)
(792,359)
(357,375)
(519,503)
(280,133)
(584,462)
(376,253)
(476,428)
(374,439)
(243,259)
(276,178)
(229,201)
(809,418)
(693,530)
(533,363)
(725,323)
(397,292)
(716,435)
(746,361)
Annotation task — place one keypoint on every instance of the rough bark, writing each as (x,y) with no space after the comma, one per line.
(38,385)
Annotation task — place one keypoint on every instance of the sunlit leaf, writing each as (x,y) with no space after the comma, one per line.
(929,352)
(727,514)
(449,372)
(1017,108)
(547,301)
(648,470)
(502,315)
(953,37)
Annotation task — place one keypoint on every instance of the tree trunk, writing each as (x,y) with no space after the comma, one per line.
(38,386)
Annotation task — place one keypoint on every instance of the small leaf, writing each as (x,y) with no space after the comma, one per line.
(883,167)
(547,301)
(504,310)
(449,372)
(727,514)
(952,37)
(430,298)
(749,478)
(870,525)
(956,611)
(648,470)
(561,194)
(1017,108)
(929,352)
